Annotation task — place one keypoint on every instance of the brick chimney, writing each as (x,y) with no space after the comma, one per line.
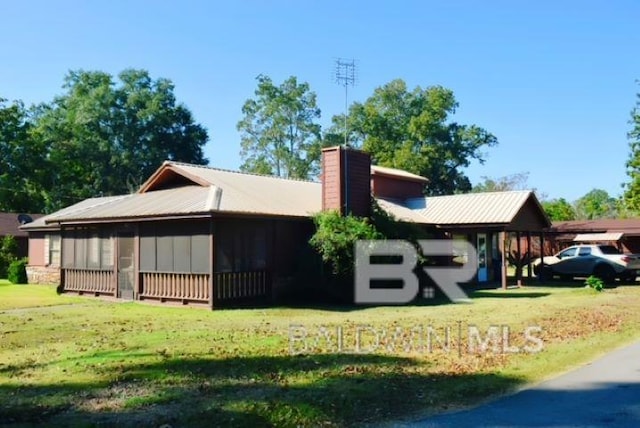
(346,181)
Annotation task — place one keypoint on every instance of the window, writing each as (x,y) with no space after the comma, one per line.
(584,251)
(54,249)
(569,252)
(609,249)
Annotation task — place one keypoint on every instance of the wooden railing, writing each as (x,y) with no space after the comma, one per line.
(241,285)
(89,281)
(182,286)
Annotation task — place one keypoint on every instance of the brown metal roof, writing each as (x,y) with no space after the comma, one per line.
(628,226)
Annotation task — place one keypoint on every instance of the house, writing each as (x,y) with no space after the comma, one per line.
(624,233)
(200,235)
(10,226)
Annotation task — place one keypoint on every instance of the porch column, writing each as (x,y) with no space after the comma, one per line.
(530,255)
(541,256)
(212,259)
(503,263)
(519,267)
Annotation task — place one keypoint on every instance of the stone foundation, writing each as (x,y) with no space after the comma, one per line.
(43,275)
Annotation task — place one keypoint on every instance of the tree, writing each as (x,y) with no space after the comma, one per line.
(412,131)
(502,184)
(559,210)
(103,137)
(279,133)
(631,195)
(596,204)
(21,170)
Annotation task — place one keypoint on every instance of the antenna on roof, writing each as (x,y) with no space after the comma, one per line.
(24,218)
(345,75)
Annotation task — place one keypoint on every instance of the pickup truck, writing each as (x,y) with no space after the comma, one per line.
(603,261)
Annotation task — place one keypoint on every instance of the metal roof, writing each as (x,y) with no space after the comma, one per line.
(598,237)
(629,226)
(471,208)
(217,190)
(401,212)
(228,191)
(259,194)
(176,201)
(72,210)
(397,173)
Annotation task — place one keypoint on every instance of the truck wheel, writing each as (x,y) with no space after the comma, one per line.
(605,273)
(545,273)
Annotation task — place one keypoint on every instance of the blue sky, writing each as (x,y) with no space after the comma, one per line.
(553,80)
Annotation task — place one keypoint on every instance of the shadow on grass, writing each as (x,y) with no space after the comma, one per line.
(516,294)
(291,390)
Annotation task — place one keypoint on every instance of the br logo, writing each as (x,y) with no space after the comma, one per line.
(446,278)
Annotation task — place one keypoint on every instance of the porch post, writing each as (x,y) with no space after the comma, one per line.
(530,255)
(137,284)
(503,263)
(212,259)
(519,267)
(541,256)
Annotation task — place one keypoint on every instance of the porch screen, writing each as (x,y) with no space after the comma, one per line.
(87,249)
(241,247)
(174,248)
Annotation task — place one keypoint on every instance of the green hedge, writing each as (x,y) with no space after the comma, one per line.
(17,272)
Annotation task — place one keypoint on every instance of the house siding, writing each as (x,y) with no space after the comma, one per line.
(389,187)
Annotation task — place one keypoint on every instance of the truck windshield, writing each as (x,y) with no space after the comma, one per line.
(609,249)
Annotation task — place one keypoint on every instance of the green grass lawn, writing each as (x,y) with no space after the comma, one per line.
(68,361)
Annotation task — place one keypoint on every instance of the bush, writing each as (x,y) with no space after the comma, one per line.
(335,237)
(8,253)
(595,283)
(17,272)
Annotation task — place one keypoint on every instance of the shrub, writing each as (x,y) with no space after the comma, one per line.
(595,283)
(8,253)
(335,237)
(17,272)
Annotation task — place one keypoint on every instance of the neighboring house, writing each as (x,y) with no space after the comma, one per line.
(194,234)
(624,233)
(10,225)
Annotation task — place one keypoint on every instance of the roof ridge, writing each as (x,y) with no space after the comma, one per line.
(239,172)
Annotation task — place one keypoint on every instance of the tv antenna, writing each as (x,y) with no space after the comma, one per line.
(345,75)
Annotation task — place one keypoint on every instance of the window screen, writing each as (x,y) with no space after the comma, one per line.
(68,252)
(200,257)
(181,254)
(148,253)
(93,251)
(164,251)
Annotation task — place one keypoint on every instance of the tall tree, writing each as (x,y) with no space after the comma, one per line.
(631,196)
(559,210)
(596,204)
(104,137)
(502,184)
(21,167)
(412,130)
(279,133)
